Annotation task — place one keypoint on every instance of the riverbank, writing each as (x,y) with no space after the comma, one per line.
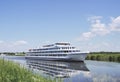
(13,72)
(104,56)
(13,53)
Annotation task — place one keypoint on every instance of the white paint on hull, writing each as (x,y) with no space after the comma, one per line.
(69,57)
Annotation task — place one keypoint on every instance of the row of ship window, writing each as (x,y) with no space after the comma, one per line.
(53,48)
(48,55)
(45,49)
(57,51)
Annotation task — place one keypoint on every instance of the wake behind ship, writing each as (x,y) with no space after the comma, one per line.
(57,51)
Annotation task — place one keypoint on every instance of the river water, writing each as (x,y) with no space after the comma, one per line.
(89,71)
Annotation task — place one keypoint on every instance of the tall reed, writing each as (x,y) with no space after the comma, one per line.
(12,72)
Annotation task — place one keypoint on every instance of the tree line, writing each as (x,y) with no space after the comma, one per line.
(104,56)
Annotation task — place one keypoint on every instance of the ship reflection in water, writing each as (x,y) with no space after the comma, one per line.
(59,69)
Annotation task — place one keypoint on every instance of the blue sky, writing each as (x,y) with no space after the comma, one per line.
(92,25)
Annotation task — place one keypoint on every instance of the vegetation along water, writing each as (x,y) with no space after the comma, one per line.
(104,56)
(13,72)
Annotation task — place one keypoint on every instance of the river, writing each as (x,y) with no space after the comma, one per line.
(89,71)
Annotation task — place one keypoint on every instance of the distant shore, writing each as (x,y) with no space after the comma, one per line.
(99,56)
(104,56)
(13,53)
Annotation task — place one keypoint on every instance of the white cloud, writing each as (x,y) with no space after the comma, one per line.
(98,46)
(21,42)
(115,24)
(13,46)
(1,41)
(94,18)
(100,29)
(86,36)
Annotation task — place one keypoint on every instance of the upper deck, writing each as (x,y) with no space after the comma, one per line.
(54,47)
(57,44)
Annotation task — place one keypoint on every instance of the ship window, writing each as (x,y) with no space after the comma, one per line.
(73,47)
(65,51)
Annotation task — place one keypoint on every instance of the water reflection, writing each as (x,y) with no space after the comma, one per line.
(59,69)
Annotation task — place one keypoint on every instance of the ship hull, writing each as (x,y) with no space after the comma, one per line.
(68,57)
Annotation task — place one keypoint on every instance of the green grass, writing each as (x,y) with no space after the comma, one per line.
(20,54)
(14,53)
(12,72)
(112,57)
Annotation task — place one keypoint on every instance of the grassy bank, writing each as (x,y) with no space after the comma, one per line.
(13,53)
(12,72)
(104,56)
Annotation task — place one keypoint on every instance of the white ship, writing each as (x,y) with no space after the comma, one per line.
(57,51)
